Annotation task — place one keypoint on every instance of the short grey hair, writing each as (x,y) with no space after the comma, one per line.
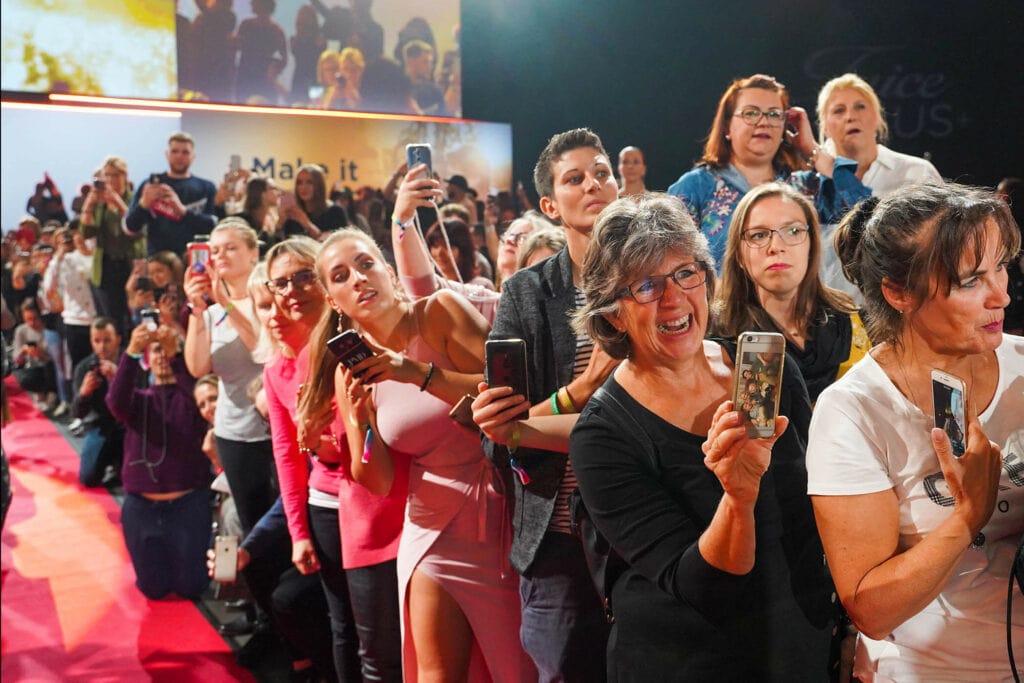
(629,240)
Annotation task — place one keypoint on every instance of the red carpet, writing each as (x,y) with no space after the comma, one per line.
(70,609)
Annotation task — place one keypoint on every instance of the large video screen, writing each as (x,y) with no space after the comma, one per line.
(389,56)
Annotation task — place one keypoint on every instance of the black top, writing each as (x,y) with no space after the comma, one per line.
(328,220)
(827,346)
(676,617)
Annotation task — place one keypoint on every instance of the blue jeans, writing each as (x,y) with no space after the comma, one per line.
(167,541)
(55,347)
(564,629)
(98,451)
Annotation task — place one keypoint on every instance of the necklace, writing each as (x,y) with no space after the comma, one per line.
(910,387)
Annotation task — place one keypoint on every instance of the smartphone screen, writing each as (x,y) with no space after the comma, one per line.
(420,153)
(506,366)
(236,163)
(198,255)
(759,361)
(948,407)
(349,348)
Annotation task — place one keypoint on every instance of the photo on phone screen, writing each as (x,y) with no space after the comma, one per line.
(198,254)
(948,407)
(349,348)
(759,360)
(506,366)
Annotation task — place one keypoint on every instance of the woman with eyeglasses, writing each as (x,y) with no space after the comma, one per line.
(770,283)
(724,577)
(289,303)
(758,138)
(220,337)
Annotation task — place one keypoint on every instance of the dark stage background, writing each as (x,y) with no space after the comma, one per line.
(650,73)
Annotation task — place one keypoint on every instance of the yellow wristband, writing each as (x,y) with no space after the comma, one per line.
(514,441)
(565,402)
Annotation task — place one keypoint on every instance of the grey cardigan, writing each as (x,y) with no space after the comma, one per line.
(537,304)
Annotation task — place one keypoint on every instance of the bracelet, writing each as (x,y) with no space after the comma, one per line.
(514,441)
(227,309)
(426,380)
(565,401)
(813,159)
(554,404)
(404,226)
(136,356)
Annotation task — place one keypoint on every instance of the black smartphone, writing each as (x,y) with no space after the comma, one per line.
(143,283)
(506,367)
(759,361)
(154,178)
(948,408)
(420,153)
(100,184)
(349,348)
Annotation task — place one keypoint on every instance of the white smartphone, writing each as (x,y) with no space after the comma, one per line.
(948,401)
(225,559)
(758,379)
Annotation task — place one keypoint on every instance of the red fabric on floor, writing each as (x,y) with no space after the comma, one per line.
(70,609)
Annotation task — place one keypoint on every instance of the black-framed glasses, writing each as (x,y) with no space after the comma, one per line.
(652,288)
(791,234)
(752,116)
(302,279)
(514,238)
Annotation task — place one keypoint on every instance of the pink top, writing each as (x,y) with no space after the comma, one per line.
(483,299)
(370,525)
(281,379)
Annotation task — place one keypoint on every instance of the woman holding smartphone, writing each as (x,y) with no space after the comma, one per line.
(220,338)
(714,527)
(770,282)
(920,543)
(458,594)
(756,137)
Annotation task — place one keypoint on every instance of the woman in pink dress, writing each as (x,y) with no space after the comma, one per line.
(460,604)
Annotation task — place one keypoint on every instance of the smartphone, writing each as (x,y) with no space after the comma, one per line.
(506,367)
(143,283)
(349,348)
(100,184)
(316,92)
(151,317)
(154,178)
(462,412)
(235,165)
(420,153)
(198,256)
(759,360)
(225,559)
(948,401)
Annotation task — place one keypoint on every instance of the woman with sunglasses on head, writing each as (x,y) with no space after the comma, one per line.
(221,334)
(458,594)
(724,577)
(770,283)
(749,144)
(921,542)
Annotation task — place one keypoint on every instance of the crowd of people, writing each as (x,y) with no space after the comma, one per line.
(336,54)
(617,520)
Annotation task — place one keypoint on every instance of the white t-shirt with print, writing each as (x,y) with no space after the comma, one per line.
(865,437)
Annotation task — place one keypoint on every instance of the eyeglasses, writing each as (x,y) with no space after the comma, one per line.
(752,116)
(792,234)
(303,280)
(652,288)
(514,238)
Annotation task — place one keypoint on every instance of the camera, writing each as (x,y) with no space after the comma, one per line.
(100,184)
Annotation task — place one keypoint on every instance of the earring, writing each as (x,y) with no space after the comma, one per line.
(727,137)
(341,323)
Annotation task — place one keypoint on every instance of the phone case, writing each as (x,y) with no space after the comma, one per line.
(759,360)
(948,401)
(420,153)
(506,366)
(198,253)
(225,558)
(462,412)
(349,347)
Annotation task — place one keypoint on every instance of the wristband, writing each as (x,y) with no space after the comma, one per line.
(227,309)
(554,404)
(404,226)
(426,380)
(514,441)
(813,159)
(136,356)
(565,401)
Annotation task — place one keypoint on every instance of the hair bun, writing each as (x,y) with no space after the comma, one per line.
(848,237)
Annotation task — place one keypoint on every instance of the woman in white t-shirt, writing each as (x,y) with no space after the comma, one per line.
(920,543)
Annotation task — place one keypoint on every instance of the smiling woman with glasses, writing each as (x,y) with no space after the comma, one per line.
(770,282)
(669,476)
(756,137)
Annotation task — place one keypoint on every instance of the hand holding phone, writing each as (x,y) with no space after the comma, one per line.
(506,366)
(349,348)
(420,153)
(758,379)
(225,559)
